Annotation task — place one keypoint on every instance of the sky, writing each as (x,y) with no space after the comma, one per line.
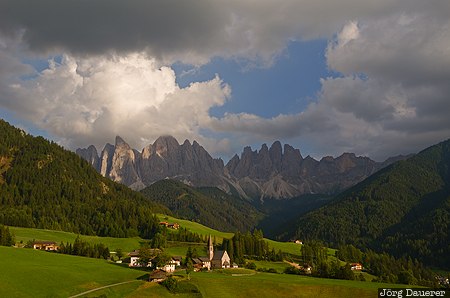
(325,76)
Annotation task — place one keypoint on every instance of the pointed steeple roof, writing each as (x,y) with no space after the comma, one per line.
(210,241)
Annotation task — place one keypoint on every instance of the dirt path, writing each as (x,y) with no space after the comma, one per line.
(104,287)
(293,264)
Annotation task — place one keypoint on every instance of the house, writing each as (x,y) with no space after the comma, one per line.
(169,267)
(198,264)
(174,226)
(45,245)
(298,242)
(134,257)
(235,265)
(306,269)
(206,262)
(177,260)
(201,263)
(356,266)
(157,276)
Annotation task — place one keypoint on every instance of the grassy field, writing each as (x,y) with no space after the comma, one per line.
(130,244)
(213,284)
(278,266)
(287,247)
(196,227)
(25,234)
(32,273)
(180,248)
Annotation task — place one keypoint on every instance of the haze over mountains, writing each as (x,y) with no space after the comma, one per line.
(275,172)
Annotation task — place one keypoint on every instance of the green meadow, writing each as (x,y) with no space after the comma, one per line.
(196,227)
(256,284)
(130,244)
(287,247)
(278,266)
(32,273)
(26,234)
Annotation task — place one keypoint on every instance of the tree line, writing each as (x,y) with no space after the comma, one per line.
(85,249)
(250,246)
(44,186)
(6,237)
(387,268)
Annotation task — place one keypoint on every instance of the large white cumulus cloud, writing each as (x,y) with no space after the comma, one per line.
(89,101)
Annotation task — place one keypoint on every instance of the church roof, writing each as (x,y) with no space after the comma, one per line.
(218,254)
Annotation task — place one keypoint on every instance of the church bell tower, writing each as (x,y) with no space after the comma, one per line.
(210,248)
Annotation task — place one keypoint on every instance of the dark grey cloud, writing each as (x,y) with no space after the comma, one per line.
(93,27)
(191,31)
(393,56)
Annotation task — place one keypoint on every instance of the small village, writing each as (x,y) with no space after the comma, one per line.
(162,267)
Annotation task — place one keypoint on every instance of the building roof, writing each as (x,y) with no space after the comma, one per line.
(204,259)
(158,274)
(45,242)
(219,254)
(197,261)
(135,253)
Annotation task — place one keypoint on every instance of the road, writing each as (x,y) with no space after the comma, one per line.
(104,287)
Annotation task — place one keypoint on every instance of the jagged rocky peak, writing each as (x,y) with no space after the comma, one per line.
(106,159)
(276,155)
(277,171)
(164,145)
(121,142)
(147,151)
(89,154)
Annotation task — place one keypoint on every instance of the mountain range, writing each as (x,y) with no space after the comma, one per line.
(275,172)
(403,209)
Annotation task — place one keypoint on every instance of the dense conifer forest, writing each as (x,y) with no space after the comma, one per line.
(206,205)
(44,186)
(403,210)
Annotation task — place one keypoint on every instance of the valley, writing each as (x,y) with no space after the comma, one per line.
(327,243)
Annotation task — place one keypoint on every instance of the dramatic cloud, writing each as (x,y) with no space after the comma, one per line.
(188,31)
(390,94)
(394,97)
(92,100)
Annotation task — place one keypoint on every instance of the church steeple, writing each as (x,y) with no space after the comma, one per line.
(210,248)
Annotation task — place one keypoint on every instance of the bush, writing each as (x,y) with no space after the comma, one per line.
(272,270)
(170,283)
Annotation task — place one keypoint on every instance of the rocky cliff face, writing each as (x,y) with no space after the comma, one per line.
(165,158)
(275,172)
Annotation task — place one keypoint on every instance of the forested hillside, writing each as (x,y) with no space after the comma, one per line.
(403,209)
(44,186)
(208,205)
